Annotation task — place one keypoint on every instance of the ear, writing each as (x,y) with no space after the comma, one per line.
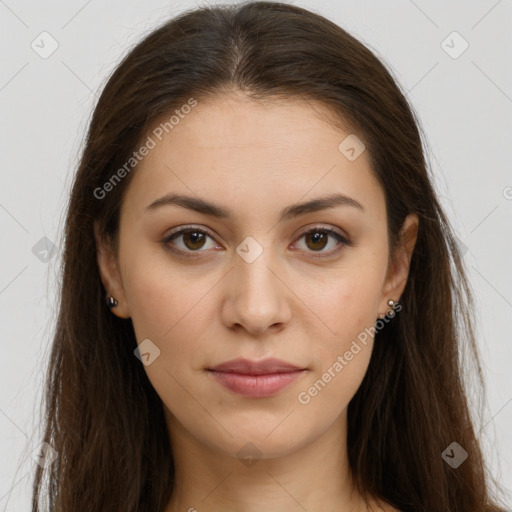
(109,272)
(398,272)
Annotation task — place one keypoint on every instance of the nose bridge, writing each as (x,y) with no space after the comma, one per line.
(253,274)
(257,296)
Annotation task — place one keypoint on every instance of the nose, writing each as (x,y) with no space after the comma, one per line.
(256,296)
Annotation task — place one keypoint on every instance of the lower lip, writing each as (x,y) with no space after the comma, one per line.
(257,386)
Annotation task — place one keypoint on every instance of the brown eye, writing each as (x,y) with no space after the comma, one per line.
(317,239)
(192,240)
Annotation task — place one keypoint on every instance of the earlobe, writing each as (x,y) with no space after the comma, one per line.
(108,268)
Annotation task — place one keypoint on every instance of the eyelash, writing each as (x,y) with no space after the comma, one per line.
(192,229)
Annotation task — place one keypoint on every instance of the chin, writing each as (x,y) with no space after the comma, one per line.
(264,443)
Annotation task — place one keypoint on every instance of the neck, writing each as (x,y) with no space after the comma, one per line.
(314,477)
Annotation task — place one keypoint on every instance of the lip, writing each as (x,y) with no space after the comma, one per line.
(263,367)
(256,379)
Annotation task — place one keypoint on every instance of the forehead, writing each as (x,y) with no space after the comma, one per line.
(232,148)
(273,123)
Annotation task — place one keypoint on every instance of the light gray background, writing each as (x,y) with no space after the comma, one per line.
(464,103)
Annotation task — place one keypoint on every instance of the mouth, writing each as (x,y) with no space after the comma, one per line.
(256,386)
(256,379)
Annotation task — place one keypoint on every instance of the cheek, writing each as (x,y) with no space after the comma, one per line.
(167,309)
(348,306)
(161,293)
(341,359)
(328,392)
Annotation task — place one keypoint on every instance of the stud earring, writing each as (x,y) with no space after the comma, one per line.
(111,302)
(391,312)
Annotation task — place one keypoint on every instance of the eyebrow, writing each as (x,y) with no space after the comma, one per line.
(207,208)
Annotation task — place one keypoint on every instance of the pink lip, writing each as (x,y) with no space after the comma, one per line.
(248,367)
(256,386)
(256,378)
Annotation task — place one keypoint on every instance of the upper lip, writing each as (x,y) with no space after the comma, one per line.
(248,367)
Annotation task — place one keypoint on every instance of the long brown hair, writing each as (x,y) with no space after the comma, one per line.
(101,413)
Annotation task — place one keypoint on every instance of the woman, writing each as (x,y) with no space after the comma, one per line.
(263,302)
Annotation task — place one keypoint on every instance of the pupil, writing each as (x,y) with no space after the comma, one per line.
(194,236)
(318,237)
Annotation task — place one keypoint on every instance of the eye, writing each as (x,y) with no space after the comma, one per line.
(317,239)
(194,240)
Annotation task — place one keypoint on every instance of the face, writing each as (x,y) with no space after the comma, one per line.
(305,287)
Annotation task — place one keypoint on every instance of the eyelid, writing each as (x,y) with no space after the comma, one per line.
(329,229)
(177,232)
(188,227)
(343,239)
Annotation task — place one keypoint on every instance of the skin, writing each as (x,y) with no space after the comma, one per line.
(256,159)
